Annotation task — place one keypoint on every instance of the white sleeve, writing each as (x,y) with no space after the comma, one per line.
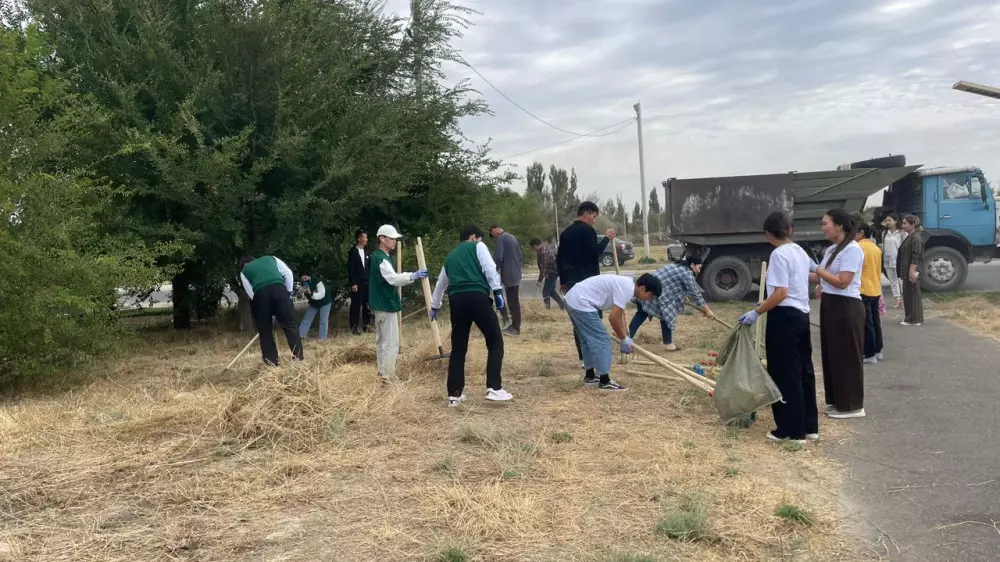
(488,266)
(853,260)
(777,271)
(442,285)
(246,285)
(320,291)
(393,278)
(623,291)
(286,274)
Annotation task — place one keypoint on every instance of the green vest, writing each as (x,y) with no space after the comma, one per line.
(262,272)
(381,295)
(465,274)
(327,298)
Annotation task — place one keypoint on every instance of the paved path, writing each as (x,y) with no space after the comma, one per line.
(924,466)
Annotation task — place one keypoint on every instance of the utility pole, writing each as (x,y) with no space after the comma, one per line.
(642,179)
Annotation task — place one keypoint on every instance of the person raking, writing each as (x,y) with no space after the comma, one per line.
(269,284)
(586,300)
(469,275)
(678,281)
(385,301)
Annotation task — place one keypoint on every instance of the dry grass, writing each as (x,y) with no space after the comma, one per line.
(161,458)
(977,312)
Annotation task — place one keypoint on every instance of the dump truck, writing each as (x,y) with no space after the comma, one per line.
(722,218)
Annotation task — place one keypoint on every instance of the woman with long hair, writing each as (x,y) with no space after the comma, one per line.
(789,344)
(842,317)
(891,242)
(908,262)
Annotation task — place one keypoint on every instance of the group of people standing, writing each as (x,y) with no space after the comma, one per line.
(849,279)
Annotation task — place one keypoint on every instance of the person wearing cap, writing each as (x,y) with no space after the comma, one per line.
(269,284)
(469,275)
(385,302)
(507,256)
(678,281)
(586,300)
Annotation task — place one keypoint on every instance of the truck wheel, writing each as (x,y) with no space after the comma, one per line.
(944,269)
(727,279)
(607,260)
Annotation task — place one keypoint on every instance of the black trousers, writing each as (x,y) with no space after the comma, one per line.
(842,345)
(789,362)
(513,309)
(359,306)
(273,301)
(468,309)
(873,326)
(549,292)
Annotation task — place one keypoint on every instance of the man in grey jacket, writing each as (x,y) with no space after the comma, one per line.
(507,256)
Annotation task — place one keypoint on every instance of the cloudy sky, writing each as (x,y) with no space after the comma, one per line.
(733,86)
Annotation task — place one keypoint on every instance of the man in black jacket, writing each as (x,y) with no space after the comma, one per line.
(580,252)
(358,262)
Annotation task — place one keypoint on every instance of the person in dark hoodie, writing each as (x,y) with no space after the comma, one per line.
(578,255)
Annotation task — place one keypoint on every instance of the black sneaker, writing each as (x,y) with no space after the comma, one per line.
(611,386)
(591,381)
(512,332)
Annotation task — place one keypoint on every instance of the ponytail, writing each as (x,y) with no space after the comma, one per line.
(843,219)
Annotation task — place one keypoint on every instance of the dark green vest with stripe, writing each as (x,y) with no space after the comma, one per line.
(327,298)
(381,295)
(465,274)
(262,272)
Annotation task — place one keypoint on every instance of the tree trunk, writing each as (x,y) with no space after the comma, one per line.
(243,308)
(182,301)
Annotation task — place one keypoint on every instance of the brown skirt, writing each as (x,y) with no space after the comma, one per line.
(842,345)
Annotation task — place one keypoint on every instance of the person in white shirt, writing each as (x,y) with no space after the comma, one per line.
(269,284)
(788,338)
(584,303)
(842,317)
(890,249)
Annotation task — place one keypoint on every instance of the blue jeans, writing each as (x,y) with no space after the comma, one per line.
(324,320)
(641,317)
(595,341)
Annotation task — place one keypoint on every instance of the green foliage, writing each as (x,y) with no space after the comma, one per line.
(646,260)
(689,523)
(59,273)
(793,513)
(453,554)
(562,436)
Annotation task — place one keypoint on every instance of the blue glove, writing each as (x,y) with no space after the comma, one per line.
(433,314)
(626,345)
(749,318)
(419,274)
(498,299)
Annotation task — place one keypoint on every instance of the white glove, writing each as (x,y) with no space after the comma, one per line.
(749,318)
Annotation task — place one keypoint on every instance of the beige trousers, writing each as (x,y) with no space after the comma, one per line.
(386,343)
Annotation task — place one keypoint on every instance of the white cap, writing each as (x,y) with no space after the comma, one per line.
(388,230)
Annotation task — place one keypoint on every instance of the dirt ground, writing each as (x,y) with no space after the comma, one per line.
(161,457)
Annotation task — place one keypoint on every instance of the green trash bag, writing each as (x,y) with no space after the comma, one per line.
(744,385)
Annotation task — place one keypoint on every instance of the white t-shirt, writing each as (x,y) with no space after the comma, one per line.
(852,259)
(789,268)
(601,292)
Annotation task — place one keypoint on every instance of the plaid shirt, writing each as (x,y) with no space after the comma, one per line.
(678,282)
(546,262)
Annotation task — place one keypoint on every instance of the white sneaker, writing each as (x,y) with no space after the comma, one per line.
(873,360)
(905,323)
(773,437)
(499,395)
(837,415)
(812,436)
(454,401)
(880,357)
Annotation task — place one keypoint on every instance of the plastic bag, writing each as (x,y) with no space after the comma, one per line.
(744,385)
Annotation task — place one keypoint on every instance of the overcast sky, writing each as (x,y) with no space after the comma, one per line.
(732,86)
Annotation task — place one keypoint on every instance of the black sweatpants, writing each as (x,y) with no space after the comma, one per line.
(359,306)
(512,310)
(273,300)
(468,309)
(873,326)
(549,292)
(789,362)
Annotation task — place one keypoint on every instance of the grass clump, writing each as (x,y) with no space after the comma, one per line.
(628,557)
(562,436)
(453,554)
(793,447)
(793,513)
(731,472)
(689,523)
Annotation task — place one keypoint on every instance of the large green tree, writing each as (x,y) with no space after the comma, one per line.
(273,126)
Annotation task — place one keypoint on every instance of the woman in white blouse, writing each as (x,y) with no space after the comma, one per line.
(890,249)
(842,317)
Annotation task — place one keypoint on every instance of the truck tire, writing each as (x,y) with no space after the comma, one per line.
(727,278)
(944,269)
(607,260)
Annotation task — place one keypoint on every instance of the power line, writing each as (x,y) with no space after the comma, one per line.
(522,108)
(621,127)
